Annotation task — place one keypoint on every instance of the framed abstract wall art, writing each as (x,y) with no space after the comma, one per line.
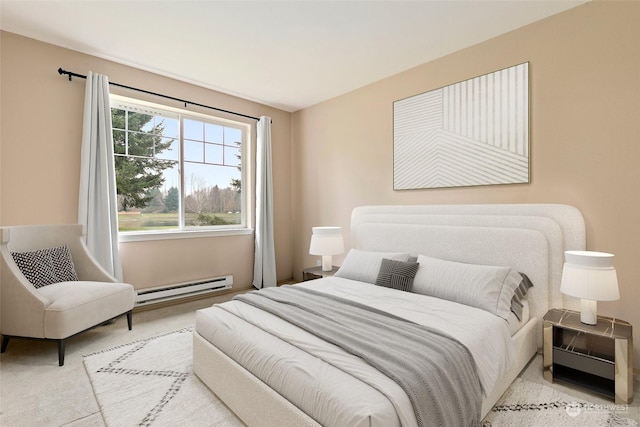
(475,132)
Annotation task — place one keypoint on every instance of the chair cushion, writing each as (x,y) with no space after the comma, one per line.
(43,267)
(78,305)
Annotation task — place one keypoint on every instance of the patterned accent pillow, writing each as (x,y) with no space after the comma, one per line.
(43,267)
(36,266)
(364,266)
(397,274)
(63,267)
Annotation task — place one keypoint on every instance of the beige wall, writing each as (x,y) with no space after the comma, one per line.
(585,130)
(41,115)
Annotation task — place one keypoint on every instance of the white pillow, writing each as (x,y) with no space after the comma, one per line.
(487,287)
(364,266)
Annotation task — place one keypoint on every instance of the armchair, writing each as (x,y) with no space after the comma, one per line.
(59,310)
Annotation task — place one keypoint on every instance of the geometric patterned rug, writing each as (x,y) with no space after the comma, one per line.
(150,382)
(526,403)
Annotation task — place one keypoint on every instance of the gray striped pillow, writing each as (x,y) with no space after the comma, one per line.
(397,274)
(519,294)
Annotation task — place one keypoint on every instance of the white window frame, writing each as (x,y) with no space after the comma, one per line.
(244,227)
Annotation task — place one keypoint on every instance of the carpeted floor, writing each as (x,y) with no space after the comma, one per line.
(34,391)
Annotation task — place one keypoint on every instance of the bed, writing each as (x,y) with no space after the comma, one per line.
(273,372)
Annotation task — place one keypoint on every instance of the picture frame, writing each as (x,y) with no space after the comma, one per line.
(471,133)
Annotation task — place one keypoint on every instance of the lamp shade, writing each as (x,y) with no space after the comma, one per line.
(326,241)
(590,276)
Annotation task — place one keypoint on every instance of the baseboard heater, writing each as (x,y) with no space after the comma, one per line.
(181,290)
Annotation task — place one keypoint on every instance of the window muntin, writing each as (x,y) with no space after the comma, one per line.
(153,145)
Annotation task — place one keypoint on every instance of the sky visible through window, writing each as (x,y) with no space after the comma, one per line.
(207,147)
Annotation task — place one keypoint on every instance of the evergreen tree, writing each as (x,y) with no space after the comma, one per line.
(139,173)
(236,184)
(172,200)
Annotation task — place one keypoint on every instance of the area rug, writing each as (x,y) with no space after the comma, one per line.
(151,383)
(526,403)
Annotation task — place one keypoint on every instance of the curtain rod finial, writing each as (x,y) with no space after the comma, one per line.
(61,72)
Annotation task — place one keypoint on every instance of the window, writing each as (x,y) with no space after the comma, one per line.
(177,170)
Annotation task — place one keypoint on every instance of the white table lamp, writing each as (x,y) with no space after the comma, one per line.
(591,277)
(326,241)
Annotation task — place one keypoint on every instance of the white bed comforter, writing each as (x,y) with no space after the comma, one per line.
(305,369)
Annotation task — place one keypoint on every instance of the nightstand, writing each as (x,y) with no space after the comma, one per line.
(597,357)
(317,273)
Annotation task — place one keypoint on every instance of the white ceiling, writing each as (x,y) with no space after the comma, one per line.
(286,54)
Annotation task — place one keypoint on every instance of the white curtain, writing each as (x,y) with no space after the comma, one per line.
(97,208)
(264,267)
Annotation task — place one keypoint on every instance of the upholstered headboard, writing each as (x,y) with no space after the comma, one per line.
(529,237)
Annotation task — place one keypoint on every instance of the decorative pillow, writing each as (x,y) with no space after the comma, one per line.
(487,287)
(63,267)
(397,274)
(364,266)
(43,267)
(36,266)
(519,293)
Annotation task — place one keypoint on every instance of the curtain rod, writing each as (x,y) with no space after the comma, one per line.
(184,101)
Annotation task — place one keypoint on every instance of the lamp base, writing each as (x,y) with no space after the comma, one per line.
(327,263)
(589,311)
